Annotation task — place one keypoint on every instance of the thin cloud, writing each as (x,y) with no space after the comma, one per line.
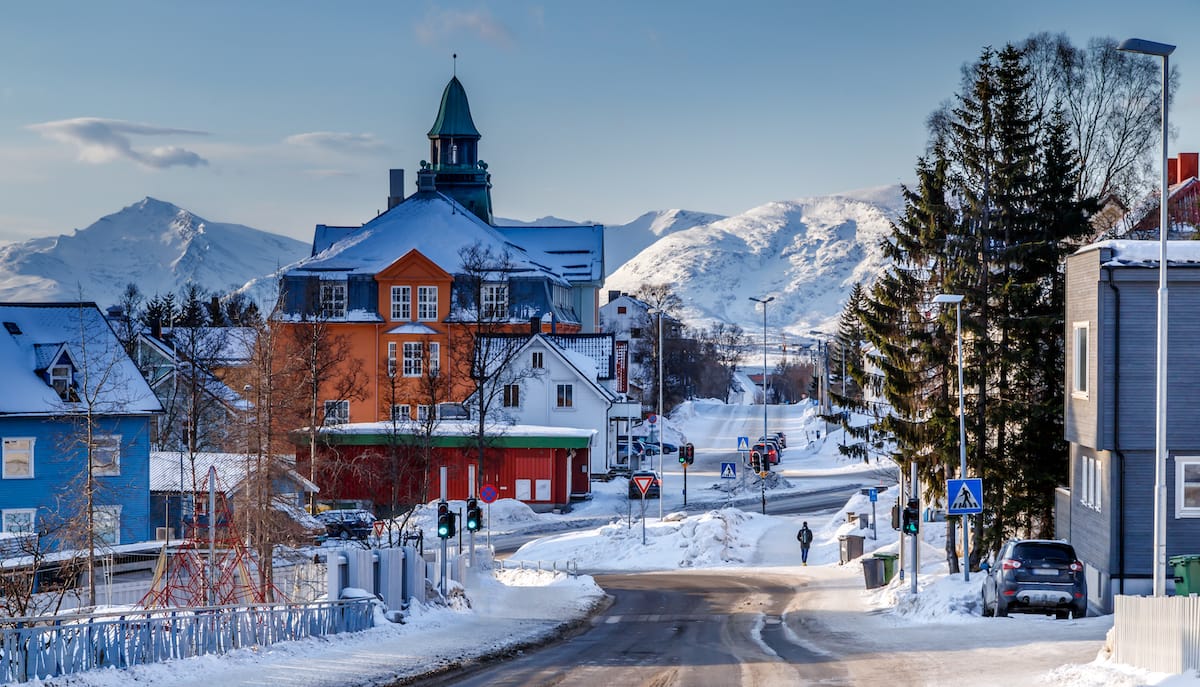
(101,141)
(328,173)
(337,141)
(439,24)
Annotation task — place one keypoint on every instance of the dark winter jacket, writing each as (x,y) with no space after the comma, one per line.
(804,536)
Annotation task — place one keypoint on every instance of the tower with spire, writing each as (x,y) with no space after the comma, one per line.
(456,169)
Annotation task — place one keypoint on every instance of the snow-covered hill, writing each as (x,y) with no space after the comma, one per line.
(806,253)
(154,244)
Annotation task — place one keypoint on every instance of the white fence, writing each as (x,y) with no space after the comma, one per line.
(1158,633)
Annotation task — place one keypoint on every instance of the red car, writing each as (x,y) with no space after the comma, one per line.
(772,454)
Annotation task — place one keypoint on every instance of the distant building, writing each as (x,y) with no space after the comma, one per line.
(72,393)
(635,329)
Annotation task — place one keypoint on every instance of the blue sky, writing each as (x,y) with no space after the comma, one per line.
(283,115)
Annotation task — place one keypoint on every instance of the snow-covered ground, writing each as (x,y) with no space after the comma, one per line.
(506,609)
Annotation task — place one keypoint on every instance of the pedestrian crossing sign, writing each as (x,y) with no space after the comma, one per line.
(965,495)
(743,444)
(728,470)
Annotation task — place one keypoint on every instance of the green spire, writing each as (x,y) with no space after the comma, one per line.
(454,114)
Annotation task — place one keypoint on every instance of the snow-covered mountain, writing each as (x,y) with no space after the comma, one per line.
(154,244)
(806,253)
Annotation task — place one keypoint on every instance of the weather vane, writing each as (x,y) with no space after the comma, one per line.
(454,68)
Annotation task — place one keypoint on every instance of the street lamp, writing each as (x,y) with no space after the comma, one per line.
(1144,47)
(662,424)
(764,302)
(956,299)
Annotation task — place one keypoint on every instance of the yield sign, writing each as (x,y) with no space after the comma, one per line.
(966,496)
(643,482)
(379,524)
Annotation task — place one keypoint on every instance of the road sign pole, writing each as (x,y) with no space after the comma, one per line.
(644,515)
(684,485)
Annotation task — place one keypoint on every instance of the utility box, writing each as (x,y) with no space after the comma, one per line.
(850,547)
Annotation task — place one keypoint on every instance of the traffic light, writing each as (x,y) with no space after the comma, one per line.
(474,515)
(756,461)
(683,460)
(691,453)
(445,523)
(911,521)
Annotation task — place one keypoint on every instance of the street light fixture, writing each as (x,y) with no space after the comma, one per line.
(764,302)
(1144,47)
(956,299)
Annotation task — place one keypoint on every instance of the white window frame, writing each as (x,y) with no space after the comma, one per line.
(106,455)
(10,447)
(337,412)
(427,303)
(1080,336)
(401,303)
(1182,509)
(60,379)
(423,412)
(564,396)
(13,517)
(494,302)
(1091,482)
(333,299)
(435,357)
(391,359)
(107,524)
(414,363)
(401,412)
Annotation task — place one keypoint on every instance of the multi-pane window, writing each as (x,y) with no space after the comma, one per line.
(402,303)
(1187,486)
(391,359)
(106,455)
(413,355)
(18,458)
(536,362)
(435,357)
(1079,350)
(427,303)
(1091,482)
(106,522)
(495,301)
(337,412)
(512,395)
(424,413)
(19,519)
(333,299)
(565,396)
(401,412)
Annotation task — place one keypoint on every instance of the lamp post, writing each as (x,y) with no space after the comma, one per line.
(956,299)
(762,486)
(662,424)
(1144,47)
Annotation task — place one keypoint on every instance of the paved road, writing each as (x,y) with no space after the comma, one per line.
(707,629)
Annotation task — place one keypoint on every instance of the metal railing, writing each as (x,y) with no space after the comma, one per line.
(570,567)
(59,645)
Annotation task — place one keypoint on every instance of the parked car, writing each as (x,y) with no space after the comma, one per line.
(1035,576)
(348,523)
(772,441)
(782,439)
(769,449)
(652,492)
(626,449)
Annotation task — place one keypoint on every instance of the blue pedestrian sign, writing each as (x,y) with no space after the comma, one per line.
(743,443)
(965,496)
(728,470)
(873,494)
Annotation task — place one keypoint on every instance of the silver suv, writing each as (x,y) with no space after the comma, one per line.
(1035,576)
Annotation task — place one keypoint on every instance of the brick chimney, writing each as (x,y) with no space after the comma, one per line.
(1188,166)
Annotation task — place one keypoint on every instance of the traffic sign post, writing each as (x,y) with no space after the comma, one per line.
(965,497)
(487,494)
(874,496)
(643,483)
(728,470)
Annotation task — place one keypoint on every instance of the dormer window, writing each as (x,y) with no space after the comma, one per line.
(495,301)
(333,299)
(60,379)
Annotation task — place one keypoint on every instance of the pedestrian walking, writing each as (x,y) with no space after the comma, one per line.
(804,536)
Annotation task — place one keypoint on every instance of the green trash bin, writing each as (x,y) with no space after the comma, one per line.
(889,565)
(1186,570)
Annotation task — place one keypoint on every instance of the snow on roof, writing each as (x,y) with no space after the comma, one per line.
(229,345)
(104,372)
(411,328)
(430,223)
(1127,253)
(576,252)
(463,428)
(232,468)
(598,348)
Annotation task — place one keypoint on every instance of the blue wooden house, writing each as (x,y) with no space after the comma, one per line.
(74,412)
